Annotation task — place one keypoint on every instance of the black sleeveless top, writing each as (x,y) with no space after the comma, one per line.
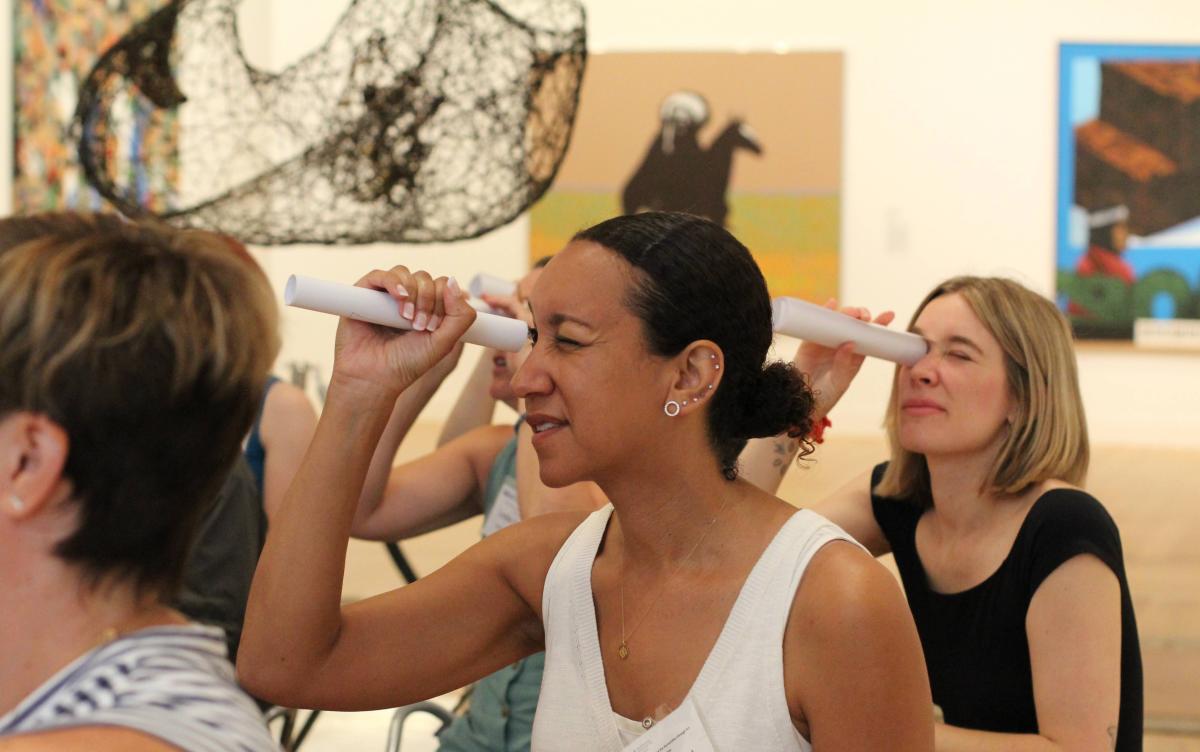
(975,644)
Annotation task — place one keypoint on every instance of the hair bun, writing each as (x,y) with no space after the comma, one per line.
(777,400)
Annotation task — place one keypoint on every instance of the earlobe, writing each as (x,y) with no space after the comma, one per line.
(35,457)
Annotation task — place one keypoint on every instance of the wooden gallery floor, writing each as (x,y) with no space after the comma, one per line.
(1151,493)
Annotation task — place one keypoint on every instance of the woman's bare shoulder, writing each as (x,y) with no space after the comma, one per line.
(524,551)
(845,591)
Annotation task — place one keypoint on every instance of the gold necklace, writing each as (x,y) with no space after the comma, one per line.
(623,649)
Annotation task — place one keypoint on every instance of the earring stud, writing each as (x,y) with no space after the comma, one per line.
(672,408)
(17,503)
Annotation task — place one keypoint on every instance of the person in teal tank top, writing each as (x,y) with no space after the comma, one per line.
(501,706)
(474,470)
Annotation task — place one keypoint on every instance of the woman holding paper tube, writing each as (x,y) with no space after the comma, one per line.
(477,468)
(695,609)
(1014,575)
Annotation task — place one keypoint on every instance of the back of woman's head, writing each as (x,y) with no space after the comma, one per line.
(150,348)
(1048,434)
(695,281)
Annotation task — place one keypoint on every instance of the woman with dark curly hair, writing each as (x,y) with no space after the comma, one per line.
(695,608)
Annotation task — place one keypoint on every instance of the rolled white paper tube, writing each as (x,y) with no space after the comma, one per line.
(377,307)
(482,307)
(488,284)
(814,323)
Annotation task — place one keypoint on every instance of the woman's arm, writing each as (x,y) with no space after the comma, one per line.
(829,371)
(92,738)
(429,493)
(287,425)
(1074,631)
(475,406)
(299,646)
(404,414)
(849,508)
(477,614)
(856,673)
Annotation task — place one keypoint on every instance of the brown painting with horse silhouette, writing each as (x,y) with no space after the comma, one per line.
(750,140)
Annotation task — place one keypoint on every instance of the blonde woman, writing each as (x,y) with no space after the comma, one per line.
(1014,575)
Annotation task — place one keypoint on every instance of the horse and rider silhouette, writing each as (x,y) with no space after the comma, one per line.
(677,173)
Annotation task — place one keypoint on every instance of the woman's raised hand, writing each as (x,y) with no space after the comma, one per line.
(509,305)
(382,359)
(831,369)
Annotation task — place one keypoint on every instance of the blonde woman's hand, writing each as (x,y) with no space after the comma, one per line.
(830,370)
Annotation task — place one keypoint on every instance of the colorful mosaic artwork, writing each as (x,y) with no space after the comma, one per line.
(56,43)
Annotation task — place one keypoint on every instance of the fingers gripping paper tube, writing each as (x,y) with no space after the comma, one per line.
(487,284)
(377,307)
(814,323)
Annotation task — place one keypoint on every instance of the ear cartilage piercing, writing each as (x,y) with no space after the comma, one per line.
(672,408)
(717,367)
(377,307)
(710,387)
(814,323)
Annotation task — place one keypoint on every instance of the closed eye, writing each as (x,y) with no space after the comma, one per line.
(567,342)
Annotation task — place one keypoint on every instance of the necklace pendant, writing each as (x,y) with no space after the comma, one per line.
(623,651)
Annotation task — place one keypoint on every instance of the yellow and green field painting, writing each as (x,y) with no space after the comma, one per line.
(794,238)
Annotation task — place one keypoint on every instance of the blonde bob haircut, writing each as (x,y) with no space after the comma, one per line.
(1048,436)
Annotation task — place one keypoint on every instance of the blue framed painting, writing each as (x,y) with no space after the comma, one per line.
(1128,230)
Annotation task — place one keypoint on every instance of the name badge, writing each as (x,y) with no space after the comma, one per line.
(681,731)
(505,510)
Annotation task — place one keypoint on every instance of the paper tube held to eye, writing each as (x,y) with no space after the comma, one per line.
(377,307)
(488,284)
(814,323)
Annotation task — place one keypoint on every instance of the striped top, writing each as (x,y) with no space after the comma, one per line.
(170,682)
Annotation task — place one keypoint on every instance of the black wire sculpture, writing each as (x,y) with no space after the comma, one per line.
(416,121)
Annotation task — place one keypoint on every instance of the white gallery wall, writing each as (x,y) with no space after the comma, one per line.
(949,163)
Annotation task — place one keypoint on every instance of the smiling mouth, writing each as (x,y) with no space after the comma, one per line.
(921,408)
(544,426)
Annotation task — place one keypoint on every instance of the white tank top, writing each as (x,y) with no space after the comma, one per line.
(739,693)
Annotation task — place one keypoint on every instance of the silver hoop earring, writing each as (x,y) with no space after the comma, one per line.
(18,504)
(672,408)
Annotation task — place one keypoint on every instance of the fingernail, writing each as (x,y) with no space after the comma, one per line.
(410,309)
(452,283)
(434,321)
(420,322)
(400,290)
